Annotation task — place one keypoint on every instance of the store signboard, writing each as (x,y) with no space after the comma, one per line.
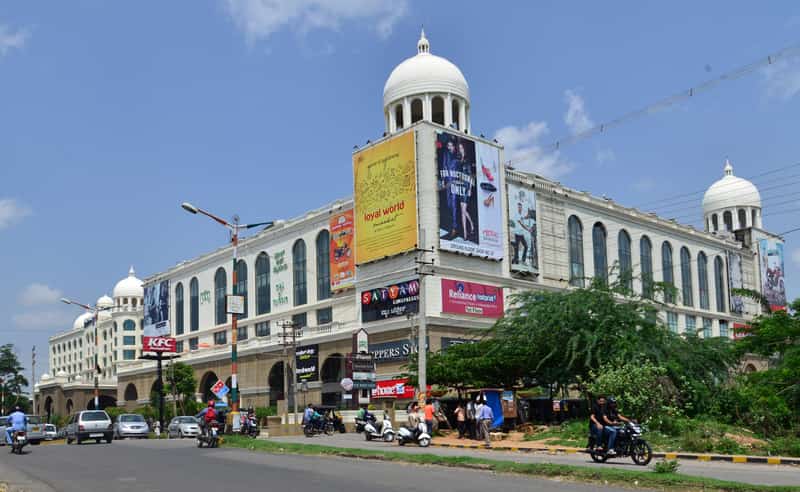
(460,297)
(307,363)
(387,302)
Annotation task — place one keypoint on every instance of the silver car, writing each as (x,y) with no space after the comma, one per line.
(130,425)
(183,426)
(50,432)
(35,429)
(89,424)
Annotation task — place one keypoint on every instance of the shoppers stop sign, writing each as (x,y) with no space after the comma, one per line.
(158,344)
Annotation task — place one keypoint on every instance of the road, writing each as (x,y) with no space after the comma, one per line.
(757,474)
(177,465)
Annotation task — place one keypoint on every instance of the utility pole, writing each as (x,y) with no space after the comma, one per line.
(422,335)
(33,381)
(289,340)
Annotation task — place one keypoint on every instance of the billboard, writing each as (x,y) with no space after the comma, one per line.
(459,297)
(735,281)
(307,363)
(343,265)
(159,344)
(470,199)
(387,302)
(522,228)
(385,182)
(770,252)
(394,388)
(156,309)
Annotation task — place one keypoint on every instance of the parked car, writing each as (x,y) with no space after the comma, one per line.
(131,425)
(50,432)
(90,424)
(35,429)
(183,426)
(3,430)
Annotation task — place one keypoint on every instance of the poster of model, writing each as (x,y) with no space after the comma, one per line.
(385,182)
(156,310)
(343,265)
(470,201)
(735,281)
(770,252)
(522,228)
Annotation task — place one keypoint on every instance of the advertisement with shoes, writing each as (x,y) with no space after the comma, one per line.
(470,214)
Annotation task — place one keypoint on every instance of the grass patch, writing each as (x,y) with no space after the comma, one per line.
(599,474)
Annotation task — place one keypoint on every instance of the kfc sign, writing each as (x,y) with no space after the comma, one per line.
(159,344)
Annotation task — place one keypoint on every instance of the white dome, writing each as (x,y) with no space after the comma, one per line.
(424,73)
(129,286)
(78,377)
(61,374)
(105,302)
(81,320)
(730,192)
(45,377)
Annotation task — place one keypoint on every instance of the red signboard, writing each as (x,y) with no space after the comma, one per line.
(158,344)
(740,330)
(461,297)
(394,388)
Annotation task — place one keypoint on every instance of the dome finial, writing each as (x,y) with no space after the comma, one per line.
(728,168)
(423,46)
(131,272)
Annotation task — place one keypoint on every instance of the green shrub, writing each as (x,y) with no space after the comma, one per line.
(727,445)
(263,412)
(666,466)
(785,446)
(697,442)
(115,412)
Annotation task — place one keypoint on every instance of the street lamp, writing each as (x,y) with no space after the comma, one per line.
(95,311)
(234,229)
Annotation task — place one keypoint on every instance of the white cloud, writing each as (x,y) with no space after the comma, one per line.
(39,294)
(782,79)
(11,39)
(259,19)
(796,257)
(11,212)
(644,184)
(576,117)
(525,152)
(605,155)
(54,320)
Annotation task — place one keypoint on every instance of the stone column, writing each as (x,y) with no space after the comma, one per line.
(448,111)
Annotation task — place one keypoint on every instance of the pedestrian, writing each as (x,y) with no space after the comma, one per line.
(158,429)
(429,416)
(461,417)
(486,417)
(478,407)
(470,423)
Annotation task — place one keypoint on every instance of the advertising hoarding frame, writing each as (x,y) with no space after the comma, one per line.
(471,298)
(307,363)
(523,228)
(398,299)
(156,310)
(342,253)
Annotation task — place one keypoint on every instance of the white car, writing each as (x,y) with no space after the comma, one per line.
(184,426)
(131,425)
(50,432)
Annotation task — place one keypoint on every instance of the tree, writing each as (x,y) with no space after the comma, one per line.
(11,379)
(181,383)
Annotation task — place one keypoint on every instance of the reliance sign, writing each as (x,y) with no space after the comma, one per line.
(158,344)
(459,297)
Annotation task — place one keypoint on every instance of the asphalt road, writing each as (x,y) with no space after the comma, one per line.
(178,465)
(757,474)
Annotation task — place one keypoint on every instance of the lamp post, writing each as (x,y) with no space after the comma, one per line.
(95,311)
(234,229)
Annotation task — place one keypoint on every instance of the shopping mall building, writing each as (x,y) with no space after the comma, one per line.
(439,233)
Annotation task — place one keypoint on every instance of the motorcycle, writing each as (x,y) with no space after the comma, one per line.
(629,443)
(419,435)
(384,431)
(318,426)
(19,439)
(209,437)
(249,427)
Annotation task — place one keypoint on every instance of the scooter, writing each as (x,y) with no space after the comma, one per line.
(19,439)
(210,437)
(419,435)
(385,431)
(249,427)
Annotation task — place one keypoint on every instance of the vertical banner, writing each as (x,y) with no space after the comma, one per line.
(343,266)
(307,363)
(522,228)
(156,310)
(770,253)
(385,181)
(735,281)
(470,201)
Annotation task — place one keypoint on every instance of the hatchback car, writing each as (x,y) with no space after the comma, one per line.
(50,432)
(184,426)
(89,424)
(35,429)
(130,425)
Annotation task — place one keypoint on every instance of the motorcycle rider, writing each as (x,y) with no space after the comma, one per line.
(17,421)
(413,419)
(597,421)
(613,415)
(209,416)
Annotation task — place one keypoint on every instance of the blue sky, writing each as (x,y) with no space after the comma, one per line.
(112,113)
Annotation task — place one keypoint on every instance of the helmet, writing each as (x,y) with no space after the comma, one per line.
(612,400)
(210,403)
(17,409)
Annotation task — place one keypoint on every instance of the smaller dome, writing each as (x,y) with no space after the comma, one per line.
(81,321)
(730,192)
(129,286)
(61,374)
(45,377)
(105,302)
(78,377)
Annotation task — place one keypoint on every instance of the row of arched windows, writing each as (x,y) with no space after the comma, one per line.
(600,255)
(437,112)
(263,294)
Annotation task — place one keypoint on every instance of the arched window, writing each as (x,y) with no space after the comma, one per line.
(456,114)
(667,271)
(194,305)
(702,276)
(753,214)
(179,309)
(220,289)
(575,251)
(600,252)
(299,272)
(398,116)
(715,222)
(323,265)
(646,261)
(241,285)
(727,218)
(686,277)
(416,110)
(719,283)
(263,293)
(742,218)
(625,260)
(437,106)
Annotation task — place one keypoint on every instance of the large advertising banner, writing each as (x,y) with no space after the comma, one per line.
(470,199)
(307,363)
(461,297)
(385,199)
(156,310)
(735,281)
(388,302)
(281,278)
(343,265)
(772,284)
(522,228)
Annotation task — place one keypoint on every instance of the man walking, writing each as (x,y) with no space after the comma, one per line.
(485,417)
(471,418)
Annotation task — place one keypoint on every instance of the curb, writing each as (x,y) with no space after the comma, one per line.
(768,460)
